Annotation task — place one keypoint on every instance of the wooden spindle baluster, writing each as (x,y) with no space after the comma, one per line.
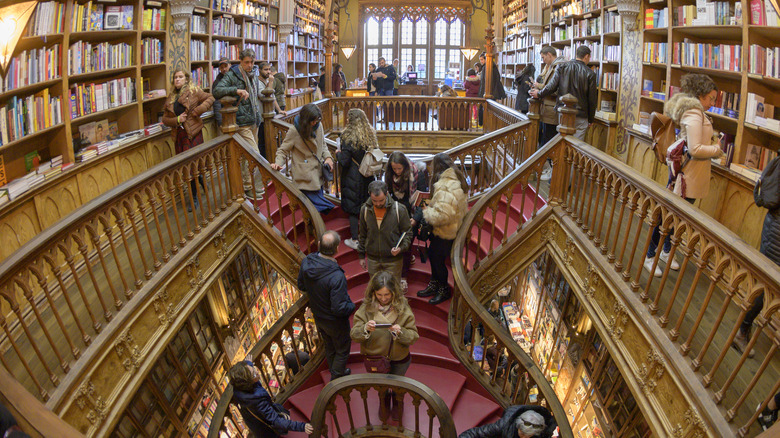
(675,239)
(162,196)
(364,396)
(220,175)
(738,367)
(655,221)
(347,399)
(182,196)
(494,210)
(523,196)
(594,186)
(431,415)
(107,229)
(686,347)
(293,209)
(210,170)
(732,412)
(199,191)
(153,207)
(82,248)
(399,402)
(92,230)
(631,209)
(582,190)
(568,197)
(603,244)
(174,211)
(643,212)
(192,196)
(50,260)
(22,357)
(36,270)
(611,256)
(708,379)
(128,205)
(332,409)
(700,266)
(507,210)
(32,341)
(28,295)
(688,252)
(416,404)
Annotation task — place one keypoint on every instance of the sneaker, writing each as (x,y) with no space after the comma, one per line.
(767,417)
(665,258)
(404,285)
(413,261)
(649,265)
(546,174)
(352,243)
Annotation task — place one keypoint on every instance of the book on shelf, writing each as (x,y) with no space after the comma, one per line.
(112,18)
(656,18)
(762,13)
(764,61)
(748,172)
(48,19)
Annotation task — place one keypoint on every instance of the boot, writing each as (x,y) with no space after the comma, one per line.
(385,405)
(429,291)
(741,341)
(443,294)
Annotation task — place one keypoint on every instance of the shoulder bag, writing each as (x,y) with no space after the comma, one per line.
(325,170)
(379,364)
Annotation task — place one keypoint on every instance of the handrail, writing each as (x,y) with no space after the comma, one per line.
(340,392)
(467,308)
(289,381)
(499,116)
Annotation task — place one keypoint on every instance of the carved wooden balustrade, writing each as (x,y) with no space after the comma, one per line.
(352,394)
(294,372)
(497,116)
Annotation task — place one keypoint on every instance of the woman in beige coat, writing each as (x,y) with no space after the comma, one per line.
(445,214)
(305,147)
(686,109)
(385,304)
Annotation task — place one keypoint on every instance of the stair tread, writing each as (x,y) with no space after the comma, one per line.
(471,409)
(423,345)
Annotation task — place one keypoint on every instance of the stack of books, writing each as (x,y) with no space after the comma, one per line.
(153,129)
(50,169)
(4,196)
(17,187)
(86,155)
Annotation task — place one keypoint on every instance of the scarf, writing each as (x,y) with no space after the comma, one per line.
(388,312)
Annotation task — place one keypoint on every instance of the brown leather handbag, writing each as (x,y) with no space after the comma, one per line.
(379,364)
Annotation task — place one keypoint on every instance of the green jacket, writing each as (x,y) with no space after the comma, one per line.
(250,111)
(280,81)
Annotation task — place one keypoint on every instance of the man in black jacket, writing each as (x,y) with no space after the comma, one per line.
(575,78)
(384,78)
(520,421)
(323,280)
(224,66)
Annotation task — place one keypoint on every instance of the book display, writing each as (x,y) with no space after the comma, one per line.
(735,43)
(305,51)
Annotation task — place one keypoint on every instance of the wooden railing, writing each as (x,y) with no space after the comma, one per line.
(499,116)
(294,374)
(353,394)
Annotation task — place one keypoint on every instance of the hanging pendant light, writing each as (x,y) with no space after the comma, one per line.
(469,52)
(348,49)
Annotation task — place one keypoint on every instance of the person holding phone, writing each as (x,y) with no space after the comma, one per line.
(384,325)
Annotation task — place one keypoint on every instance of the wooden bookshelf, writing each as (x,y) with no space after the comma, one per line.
(662,69)
(305,51)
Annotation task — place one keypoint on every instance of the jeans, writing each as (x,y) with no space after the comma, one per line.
(657,237)
(385,92)
(336,340)
(581,126)
(354,226)
(399,368)
(438,253)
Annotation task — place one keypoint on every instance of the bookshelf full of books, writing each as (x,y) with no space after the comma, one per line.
(305,50)
(736,43)
(519,44)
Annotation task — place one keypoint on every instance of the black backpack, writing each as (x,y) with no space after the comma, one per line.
(766,193)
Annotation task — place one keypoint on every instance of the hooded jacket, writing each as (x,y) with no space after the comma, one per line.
(447,206)
(696,128)
(378,341)
(505,427)
(354,186)
(196,103)
(521,82)
(258,403)
(378,242)
(324,282)
(575,78)
(249,110)
(305,157)
(498,92)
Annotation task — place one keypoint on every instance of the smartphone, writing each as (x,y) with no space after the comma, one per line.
(383,325)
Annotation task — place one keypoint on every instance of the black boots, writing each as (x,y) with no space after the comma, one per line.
(429,291)
(443,293)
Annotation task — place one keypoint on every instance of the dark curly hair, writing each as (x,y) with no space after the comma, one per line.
(242,377)
(697,85)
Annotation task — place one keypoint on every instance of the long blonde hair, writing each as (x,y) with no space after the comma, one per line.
(188,86)
(385,279)
(359,133)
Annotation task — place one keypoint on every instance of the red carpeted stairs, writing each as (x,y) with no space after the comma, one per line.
(432,362)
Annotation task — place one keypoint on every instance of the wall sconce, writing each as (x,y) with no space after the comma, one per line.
(13,20)
(629,10)
(469,52)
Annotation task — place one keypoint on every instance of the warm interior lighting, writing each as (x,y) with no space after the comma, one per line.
(348,50)
(469,52)
(13,20)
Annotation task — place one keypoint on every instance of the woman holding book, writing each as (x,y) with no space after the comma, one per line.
(182,113)
(686,109)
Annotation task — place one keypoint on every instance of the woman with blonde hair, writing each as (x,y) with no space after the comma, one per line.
(357,139)
(384,326)
(182,113)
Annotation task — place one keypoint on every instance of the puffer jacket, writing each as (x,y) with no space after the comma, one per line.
(505,427)
(498,88)
(196,103)
(575,78)
(258,412)
(770,236)
(249,110)
(354,186)
(378,341)
(472,86)
(447,206)
(305,167)
(696,128)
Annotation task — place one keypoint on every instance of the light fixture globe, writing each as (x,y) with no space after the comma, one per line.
(629,10)
(469,52)
(348,49)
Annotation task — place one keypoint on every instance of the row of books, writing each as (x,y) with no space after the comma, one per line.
(86,57)
(260,50)
(198,50)
(199,78)
(656,52)
(762,13)
(708,14)
(23,116)
(726,104)
(656,18)
(89,98)
(610,81)
(303,40)
(48,19)
(256,31)
(309,14)
(91,16)
(761,113)
(612,53)
(648,90)
(307,27)
(595,49)
(154,19)
(152,51)
(242,7)
(560,33)
(198,24)
(612,22)
(225,26)
(764,61)
(32,66)
(714,56)
(225,49)
(589,27)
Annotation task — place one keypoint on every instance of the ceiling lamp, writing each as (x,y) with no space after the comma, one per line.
(348,49)
(469,52)
(13,20)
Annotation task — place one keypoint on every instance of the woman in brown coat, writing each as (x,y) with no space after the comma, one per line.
(182,113)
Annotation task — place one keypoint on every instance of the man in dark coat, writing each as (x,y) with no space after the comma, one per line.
(224,66)
(323,280)
(520,421)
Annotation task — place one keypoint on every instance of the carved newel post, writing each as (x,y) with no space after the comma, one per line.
(534,114)
(567,114)
(229,111)
(490,47)
(268,116)
(329,61)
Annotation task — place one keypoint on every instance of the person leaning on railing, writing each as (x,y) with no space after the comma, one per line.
(686,109)
(263,417)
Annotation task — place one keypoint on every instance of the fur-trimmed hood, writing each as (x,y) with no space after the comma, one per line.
(679,104)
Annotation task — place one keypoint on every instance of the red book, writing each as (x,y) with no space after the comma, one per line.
(757,12)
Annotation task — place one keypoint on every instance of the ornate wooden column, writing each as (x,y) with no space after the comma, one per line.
(534,114)
(490,47)
(329,60)
(268,130)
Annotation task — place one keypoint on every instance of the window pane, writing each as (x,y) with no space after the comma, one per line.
(372,32)
(406,59)
(387,53)
(421,36)
(371,56)
(421,58)
(455,57)
(406,31)
(387,31)
(440,61)
(456,33)
(440,32)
